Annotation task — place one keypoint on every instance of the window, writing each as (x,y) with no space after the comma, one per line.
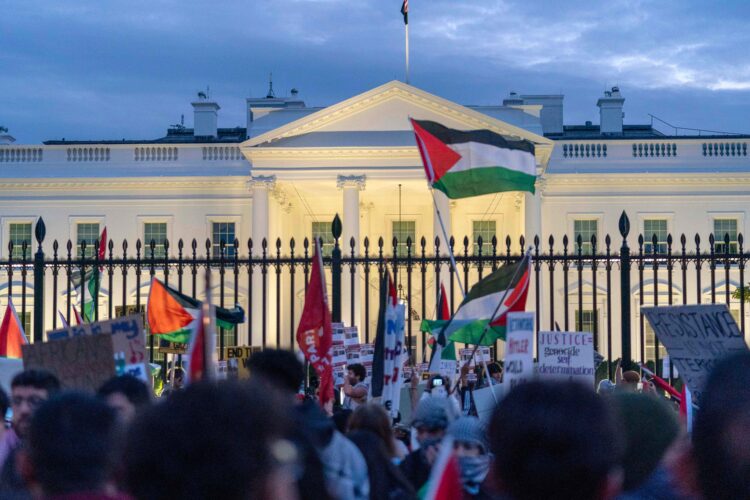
(121,311)
(88,232)
(722,227)
(586,228)
(223,231)
(487,230)
(156,231)
(650,340)
(402,230)
(736,315)
(322,231)
(19,234)
(658,228)
(25,319)
(586,321)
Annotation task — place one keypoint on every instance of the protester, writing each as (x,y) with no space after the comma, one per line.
(430,420)
(373,417)
(212,441)
(386,480)
(649,427)
(471,447)
(70,450)
(355,389)
(721,435)
(437,387)
(126,395)
(28,390)
(278,367)
(555,440)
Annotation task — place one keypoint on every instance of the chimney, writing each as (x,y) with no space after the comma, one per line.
(551,115)
(610,112)
(513,99)
(5,137)
(205,117)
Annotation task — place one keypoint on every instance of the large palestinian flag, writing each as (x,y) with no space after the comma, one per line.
(175,316)
(475,162)
(480,303)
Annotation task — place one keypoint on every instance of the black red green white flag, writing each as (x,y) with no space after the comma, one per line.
(475,162)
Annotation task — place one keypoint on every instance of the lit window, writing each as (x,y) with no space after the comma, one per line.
(88,232)
(723,227)
(322,231)
(223,231)
(586,320)
(650,340)
(585,228)
(403,230)
(156,232)
(19,234)
(658,228)
(487,230)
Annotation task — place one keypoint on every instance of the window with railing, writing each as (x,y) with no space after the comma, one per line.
(322,231)
(20,233)
(223,231)
(156,232)
(586,320)
(722,228)
(658,228)
(487,229)
(402,230)
(585,228)
(86,232)
(650,343)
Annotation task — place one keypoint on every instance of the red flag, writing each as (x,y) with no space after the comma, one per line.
(12,336)
(201,343)
(103,244)
(314,333)
(445,478)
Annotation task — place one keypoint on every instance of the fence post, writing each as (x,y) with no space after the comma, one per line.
(336,270)
(39,231)
(624,226)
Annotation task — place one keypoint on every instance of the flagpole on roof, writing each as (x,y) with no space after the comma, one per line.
(405,12)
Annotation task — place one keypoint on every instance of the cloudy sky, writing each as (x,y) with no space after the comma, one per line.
(112,69)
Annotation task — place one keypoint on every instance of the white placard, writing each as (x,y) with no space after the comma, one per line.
(567,356)
(519,350)
(696,338)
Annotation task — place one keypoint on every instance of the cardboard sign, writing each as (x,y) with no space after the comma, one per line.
(696,338)
(127,337)
(84,362)
(519,350)
(567,356)
(237,359)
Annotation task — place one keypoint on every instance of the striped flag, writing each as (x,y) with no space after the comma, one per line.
(12,336)
(475,162)
(405,11)
(89,283)
(445,478)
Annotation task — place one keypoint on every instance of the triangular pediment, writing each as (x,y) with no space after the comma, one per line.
(386,109)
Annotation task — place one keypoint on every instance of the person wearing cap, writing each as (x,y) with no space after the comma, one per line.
(471,448)
(430,421)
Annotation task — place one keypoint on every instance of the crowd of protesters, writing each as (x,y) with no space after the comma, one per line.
(261,439)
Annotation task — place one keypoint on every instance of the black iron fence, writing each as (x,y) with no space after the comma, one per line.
(597,286)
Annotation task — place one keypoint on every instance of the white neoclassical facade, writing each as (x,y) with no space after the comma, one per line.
(292,168)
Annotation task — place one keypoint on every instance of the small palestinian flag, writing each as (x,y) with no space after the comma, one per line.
(12,336)
(405,11)
(445,477)
(88,284)
(175,316)
(475,162)
(478,307)
(443,349)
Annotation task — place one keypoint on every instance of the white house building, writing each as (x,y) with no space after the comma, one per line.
(292,168)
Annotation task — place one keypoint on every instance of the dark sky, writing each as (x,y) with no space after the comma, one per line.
(112,69)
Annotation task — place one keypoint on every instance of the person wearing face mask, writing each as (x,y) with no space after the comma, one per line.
(471,448)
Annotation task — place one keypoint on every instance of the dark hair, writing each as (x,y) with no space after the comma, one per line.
(71,442)
(132,388)
(494,368)
(38,379)
(561,432)
(358,370)
(342,419)
(279,367)
(386,480)
(208,441)
(372,417)
(721,430)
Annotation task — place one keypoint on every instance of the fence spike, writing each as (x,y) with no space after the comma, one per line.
(624,225)
(40,230)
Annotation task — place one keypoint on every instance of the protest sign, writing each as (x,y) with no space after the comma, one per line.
(486,402)
(9,367)
(351,336)
(696,338)
(394,358)
(237,360)
(353,354)
(127,337)
(337,333)
(172,347)
(83,362)
(566,356)
(482,355)
(519,350)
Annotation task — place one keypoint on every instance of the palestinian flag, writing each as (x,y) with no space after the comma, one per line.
(12,336)
(475,162)
(442,348)
(175,316)
(478,307)
(88,283)
(202,345)
(445,477)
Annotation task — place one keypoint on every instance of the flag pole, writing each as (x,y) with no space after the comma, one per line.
(208,330)
(447,242)
(406,33)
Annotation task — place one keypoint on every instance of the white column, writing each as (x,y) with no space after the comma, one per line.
(351,185)
(443,205)
(259,185)
(533,227)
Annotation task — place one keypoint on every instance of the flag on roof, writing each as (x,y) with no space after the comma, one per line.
(443,348)
(475,162)
(12,336)
(405,11)
(88,283)
(480,303)
(175,316)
